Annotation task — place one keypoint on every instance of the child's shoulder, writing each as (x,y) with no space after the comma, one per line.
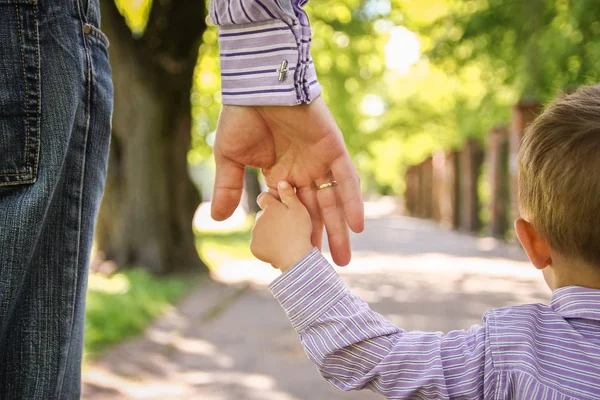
(525,325)
(522,311)
(523,315)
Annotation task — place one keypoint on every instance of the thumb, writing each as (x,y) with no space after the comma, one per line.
(229,182)
(287,194)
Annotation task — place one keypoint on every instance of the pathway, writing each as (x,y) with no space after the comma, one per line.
(230,340)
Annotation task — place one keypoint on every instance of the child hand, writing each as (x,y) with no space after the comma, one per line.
(282,232)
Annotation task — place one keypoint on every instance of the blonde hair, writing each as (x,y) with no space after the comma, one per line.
(559,175)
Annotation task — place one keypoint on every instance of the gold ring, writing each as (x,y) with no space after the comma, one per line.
(327,185)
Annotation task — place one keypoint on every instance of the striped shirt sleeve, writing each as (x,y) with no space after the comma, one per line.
(265,52)
(356,348)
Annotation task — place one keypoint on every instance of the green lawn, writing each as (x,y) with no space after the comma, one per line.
(122,305)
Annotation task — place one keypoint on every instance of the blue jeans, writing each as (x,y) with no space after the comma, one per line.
(55,109)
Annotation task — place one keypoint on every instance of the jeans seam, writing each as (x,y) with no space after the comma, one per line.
(21,44)
(87,110)
(39,91)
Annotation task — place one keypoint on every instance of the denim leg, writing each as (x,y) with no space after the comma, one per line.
(53,156)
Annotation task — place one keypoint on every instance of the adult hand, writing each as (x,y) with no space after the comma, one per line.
(301,145)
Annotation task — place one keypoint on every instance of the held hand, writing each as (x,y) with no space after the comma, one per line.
(301,145)
(281,234)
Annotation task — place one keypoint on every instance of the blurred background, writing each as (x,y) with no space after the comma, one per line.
(432,97)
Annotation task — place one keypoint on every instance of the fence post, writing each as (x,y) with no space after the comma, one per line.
(426,188)
(412,190)
(523,114)
(453,179)
(444,188)
(469,167)
(498,178)
(419,193)
(407,191)
(438,165)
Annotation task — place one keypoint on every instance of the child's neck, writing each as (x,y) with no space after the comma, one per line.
(574,274)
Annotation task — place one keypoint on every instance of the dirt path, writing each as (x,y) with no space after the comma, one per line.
(230,340)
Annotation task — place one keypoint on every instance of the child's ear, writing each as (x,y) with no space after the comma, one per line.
(535,245)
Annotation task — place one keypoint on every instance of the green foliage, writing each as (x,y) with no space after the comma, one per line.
(537,47)
(205,97)
(348,50)
(136,13)
(480,57)
(123,305)
(477,59)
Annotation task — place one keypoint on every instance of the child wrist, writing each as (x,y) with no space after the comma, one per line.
(294,255)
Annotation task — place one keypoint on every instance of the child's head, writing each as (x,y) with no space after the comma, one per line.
(559,182)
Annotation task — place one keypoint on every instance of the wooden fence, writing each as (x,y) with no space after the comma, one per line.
(444,187)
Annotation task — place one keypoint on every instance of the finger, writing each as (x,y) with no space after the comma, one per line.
(265,200)
(288,195)
(308,197)
(335,222)
(348,189)
(229,182)
(274,192)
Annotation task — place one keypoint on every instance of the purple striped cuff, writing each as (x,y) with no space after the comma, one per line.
(252,56)
(308,289)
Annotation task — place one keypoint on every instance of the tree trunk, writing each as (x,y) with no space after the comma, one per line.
(253,189)
(146,214)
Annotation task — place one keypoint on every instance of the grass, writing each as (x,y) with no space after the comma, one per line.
(124,304)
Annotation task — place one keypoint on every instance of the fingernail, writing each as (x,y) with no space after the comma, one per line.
(283,185)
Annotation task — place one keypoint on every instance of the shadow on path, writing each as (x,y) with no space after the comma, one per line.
(230,340)
(401,235)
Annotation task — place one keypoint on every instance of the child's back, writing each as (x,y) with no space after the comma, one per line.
(542,352)
(525,352)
